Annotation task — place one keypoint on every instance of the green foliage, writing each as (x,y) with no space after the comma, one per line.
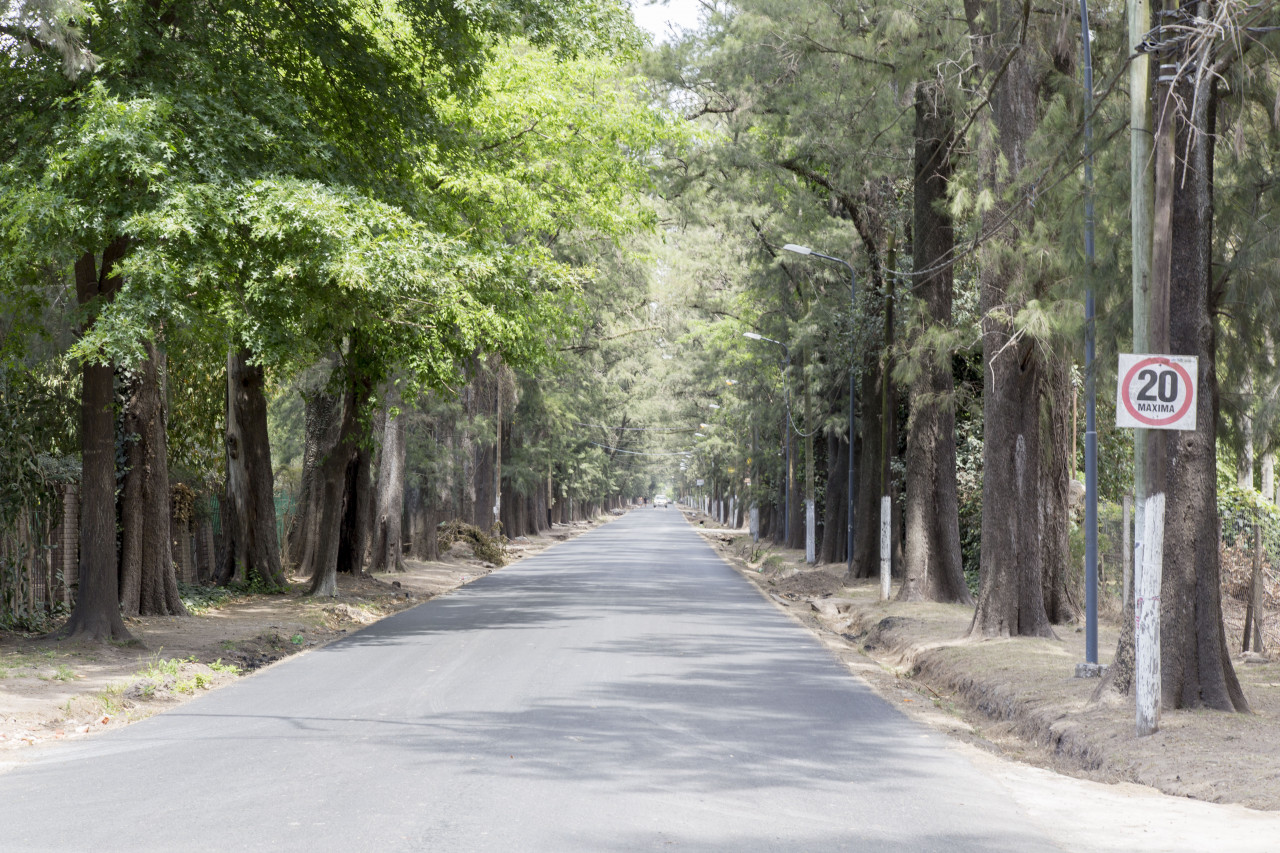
(158,668)
(1239,509)
(203,599)
(61,672)
(969,494)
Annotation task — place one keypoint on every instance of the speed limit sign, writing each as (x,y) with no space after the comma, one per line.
(1156,392)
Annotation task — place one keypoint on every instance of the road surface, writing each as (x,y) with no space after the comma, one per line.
(622,691)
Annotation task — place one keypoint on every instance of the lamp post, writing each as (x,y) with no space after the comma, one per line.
(786,458)
(853,303)
(1090,373)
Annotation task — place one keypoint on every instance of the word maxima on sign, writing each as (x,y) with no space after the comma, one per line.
(1156,392)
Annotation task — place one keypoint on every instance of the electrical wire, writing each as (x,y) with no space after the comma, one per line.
(638,429)
(639,452)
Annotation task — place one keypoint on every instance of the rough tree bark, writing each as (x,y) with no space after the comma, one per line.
(253,546)
(387,553)
(96,615)
(1195,663)
(834,526)
(148,583)
(323,424)
(870,464)
(933,568)
(1022,506)
(330,491)
(357,497)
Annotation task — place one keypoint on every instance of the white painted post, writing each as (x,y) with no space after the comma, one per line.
(886,526)
(810,533)
(1147,618)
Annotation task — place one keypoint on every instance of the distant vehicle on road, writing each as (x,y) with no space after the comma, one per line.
(660,500)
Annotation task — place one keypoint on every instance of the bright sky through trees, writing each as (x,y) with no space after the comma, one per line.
(657,17)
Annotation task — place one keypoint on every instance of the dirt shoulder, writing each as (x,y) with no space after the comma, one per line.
(55,691)
(1018,697)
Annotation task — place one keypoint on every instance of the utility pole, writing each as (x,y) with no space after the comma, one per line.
(1142,200)
(810,510)
(1147,593)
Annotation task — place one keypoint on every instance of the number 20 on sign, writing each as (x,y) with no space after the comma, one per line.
(1156,392)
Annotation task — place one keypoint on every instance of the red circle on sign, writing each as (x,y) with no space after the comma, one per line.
(1146,419)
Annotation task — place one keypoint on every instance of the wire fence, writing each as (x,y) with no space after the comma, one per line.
(1249,549)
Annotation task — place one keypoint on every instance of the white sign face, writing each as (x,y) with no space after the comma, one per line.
(702,482)
(1157,392)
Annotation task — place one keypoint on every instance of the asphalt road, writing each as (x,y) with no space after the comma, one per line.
(622,691)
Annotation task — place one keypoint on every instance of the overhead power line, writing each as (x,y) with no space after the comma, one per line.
(638,429)
(639,452)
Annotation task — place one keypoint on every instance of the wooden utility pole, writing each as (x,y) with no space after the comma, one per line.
(1142,199)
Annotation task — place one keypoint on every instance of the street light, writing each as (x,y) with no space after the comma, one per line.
(853,303)
(786,459)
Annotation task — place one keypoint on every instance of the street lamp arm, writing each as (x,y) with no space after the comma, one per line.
(831,258)
(756,336)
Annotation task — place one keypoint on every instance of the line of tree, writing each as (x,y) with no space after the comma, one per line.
(379,203)
(939,148)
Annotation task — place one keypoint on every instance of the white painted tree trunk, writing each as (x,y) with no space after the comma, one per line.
(1147,616)
(755,523)
(810,533)
(1268,471)
(886,551)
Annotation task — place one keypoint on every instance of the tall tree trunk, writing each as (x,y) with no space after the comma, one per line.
(253,546)
(331,507)
(358,496)
(1244,458)
(833,526)
(1195,663)
(388,549)
(345,487)
(96,615)
(323,425)
(1021,501)
(866,524)
(482,508)
(149,586)
(496,509)
(1061,598)
(933,567)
